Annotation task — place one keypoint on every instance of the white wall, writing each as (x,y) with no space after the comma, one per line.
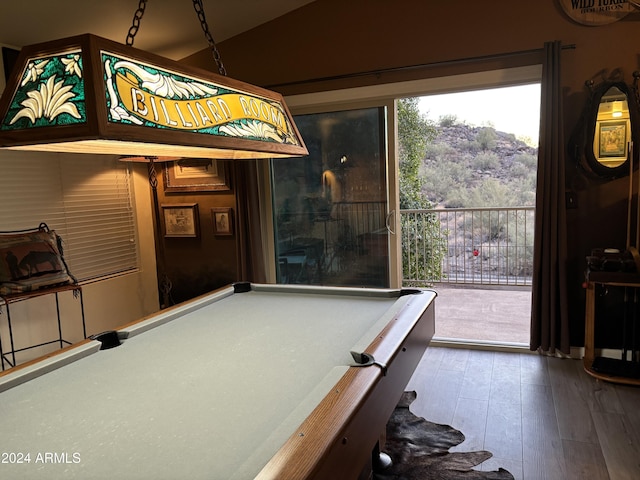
(125,298)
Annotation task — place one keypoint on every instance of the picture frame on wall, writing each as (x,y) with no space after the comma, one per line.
(196,175)
(181,220)
(222,219)
(612,139)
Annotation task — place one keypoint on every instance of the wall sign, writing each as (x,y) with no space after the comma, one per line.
(596,12)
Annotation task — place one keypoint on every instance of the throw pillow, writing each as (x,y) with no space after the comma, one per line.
(30,260)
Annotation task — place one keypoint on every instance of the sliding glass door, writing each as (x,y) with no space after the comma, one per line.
(330,209)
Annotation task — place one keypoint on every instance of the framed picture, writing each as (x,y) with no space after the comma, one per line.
(196,175)
(181,220)
(612,137)
(222,221)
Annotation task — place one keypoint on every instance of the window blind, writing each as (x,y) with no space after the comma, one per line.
(86,199)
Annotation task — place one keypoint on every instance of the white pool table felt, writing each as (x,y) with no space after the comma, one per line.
(213,393)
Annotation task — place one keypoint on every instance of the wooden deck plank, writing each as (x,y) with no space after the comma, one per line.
(543,454)
(584,460)
(476,383)
(619,443)
(470,418)
(574,419)
(503,434)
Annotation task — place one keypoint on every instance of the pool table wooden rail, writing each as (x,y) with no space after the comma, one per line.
(61,357)
(46,363)
(337,439)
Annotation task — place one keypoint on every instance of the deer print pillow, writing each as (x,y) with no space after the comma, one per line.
(32,260)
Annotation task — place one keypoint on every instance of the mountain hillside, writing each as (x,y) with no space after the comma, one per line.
(468,166)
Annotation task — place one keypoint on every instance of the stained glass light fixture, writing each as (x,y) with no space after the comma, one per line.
(87,94)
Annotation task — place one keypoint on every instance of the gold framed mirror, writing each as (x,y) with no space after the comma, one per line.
(612,129)
(607,127)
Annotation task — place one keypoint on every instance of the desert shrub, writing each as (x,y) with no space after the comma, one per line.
(491,193)
(448,120)
(528,160)
(487,138)
(486,161)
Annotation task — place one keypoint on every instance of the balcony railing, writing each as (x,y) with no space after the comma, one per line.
(486,246)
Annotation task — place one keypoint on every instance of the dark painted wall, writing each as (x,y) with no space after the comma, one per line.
(208,261)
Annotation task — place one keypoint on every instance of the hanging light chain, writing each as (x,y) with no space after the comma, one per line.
(197,5)
(199,8)
(136,22)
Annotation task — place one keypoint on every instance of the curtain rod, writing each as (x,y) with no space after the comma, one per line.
(417,67)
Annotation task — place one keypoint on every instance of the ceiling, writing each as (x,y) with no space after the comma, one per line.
(170,28)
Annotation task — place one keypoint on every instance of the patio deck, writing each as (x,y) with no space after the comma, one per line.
(499,315)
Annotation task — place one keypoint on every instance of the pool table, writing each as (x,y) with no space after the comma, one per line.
(250,381)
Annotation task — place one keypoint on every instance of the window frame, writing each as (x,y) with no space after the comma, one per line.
(385,95)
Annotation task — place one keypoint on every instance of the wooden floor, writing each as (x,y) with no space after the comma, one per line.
(542,418)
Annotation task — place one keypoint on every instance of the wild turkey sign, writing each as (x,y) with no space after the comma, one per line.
(598,12)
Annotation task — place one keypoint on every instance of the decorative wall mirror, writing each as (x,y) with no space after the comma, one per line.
(610,123)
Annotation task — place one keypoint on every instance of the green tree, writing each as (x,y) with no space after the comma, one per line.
(423,243)
(415,132)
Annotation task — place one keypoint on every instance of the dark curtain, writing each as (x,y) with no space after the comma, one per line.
(249,239)
(549,311)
